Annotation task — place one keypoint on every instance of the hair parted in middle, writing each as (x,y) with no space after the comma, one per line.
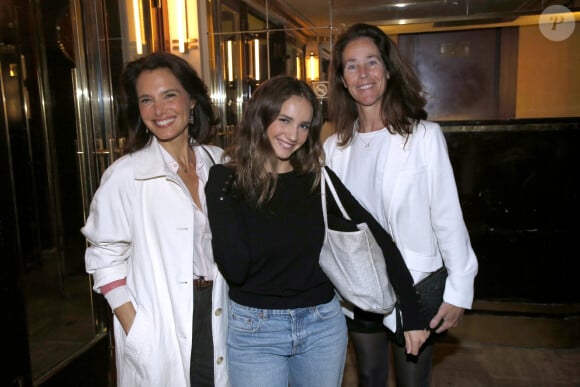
(403,103)
(252,155)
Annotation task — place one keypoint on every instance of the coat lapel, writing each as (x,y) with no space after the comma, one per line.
(148,162)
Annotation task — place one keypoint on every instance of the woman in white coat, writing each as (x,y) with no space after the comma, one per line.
(396,164)
(149,239)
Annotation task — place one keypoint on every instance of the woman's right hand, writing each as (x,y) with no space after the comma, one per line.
(414,340)
(126,315)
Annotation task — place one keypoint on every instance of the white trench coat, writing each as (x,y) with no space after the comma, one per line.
(141,227)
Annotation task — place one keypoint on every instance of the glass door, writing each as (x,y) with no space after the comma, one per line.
(58,136)
(253,41)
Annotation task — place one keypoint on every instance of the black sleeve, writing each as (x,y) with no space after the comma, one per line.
(399,275)
(224,210)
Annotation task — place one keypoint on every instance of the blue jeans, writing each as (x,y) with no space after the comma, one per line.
(273,347)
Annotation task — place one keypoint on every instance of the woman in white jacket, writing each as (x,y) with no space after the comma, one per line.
(149,239)
(396,164)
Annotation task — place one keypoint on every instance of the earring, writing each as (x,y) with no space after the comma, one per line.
(140,124)
(191,117)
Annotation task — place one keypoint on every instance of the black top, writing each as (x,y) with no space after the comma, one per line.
(269,255)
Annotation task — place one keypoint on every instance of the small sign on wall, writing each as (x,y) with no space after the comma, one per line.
(320,89)
(454,48)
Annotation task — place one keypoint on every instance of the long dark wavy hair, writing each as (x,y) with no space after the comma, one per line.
(403,103)
(252,153)
(205,120)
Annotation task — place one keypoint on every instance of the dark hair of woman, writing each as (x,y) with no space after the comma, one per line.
(205,120)
(252,155)
(403,103)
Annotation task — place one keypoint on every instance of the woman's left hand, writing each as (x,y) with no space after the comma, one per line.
(447,317)
(414,340)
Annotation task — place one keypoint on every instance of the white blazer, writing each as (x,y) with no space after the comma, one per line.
(140,227)
(422,209)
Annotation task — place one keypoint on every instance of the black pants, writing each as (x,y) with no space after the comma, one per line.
(371,340)
(202,344)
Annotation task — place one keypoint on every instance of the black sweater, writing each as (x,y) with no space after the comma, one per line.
(269,256)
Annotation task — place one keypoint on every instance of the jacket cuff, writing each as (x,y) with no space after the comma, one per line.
(117,297)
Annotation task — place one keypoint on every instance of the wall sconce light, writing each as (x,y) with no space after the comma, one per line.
(230,61)
(312,67)
(257,59)
(298,67)
(182,24)
(138,26)
(181,21)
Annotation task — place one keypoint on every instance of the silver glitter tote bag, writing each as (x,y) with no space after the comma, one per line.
(354,262)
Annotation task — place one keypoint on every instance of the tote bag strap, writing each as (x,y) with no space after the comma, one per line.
(209,154)
(326,178)
(323,200)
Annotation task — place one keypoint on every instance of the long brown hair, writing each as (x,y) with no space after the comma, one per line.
(252,152)
(403,103)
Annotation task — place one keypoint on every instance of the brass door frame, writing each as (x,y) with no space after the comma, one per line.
(94,115)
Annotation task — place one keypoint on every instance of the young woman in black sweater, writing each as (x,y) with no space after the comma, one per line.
(285,320)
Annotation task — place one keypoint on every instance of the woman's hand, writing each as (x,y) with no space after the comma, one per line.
(414,340)
(126,315)
(447,317)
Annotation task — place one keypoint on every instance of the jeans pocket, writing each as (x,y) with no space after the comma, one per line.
(328,310)
(243,319)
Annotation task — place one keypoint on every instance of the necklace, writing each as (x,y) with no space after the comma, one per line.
(359,135)
(186,168)
(365,144)
(367,139)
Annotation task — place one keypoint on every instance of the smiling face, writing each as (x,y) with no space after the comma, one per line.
(364,73)
(164,104)
(289,130)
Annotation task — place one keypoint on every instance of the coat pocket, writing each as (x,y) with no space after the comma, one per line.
(138,345)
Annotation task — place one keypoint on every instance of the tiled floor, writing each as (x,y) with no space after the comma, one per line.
(477,365)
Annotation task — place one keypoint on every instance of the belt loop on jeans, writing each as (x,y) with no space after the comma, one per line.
(202,283)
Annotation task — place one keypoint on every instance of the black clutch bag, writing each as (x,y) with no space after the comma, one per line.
(430,290)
